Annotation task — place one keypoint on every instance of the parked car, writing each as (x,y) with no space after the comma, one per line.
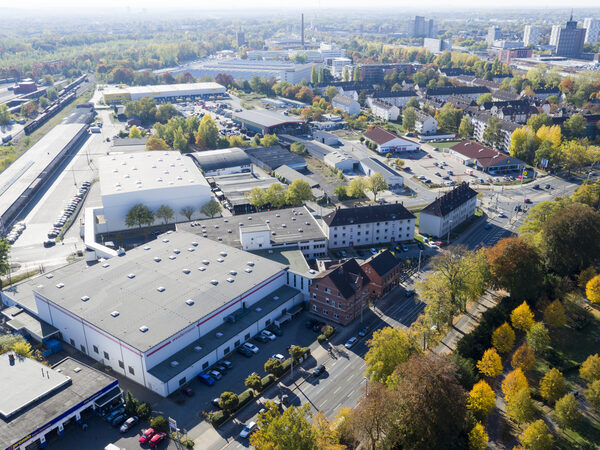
(188,391)
(119,420)
(350,342)
(128,424)
(115,413)
(318,370)
(268,335)
(279,357)
(215,374)
(220,367)
(527,200)
(146,436)
(363,332)
(276,330)
(227,364)
(410,293)
(157,439)
(253,348)
(261,338)
(244,351)
(248,429)
(49,243)
(547,186)
(206,379)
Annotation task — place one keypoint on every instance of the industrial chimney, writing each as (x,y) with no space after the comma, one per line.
(302,31)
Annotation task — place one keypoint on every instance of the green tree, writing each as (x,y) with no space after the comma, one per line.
(538,338)
(208,133)
(144,109)
(143,411)
(553,385)
(298,192)
(387,348)
(357,187)
(273,366)
(298,148)
(356,73)
(592,394)
(187,212)
(135,132)
(449,118)
(376,183)
(290,430)
(164,212)
(412,103)
(52,94)
(165,112)
(520,407)
(275,195)
(139,215)
(229,402)
(256,197)
(131,404)
(566,411)
(211,208)
(575,126)
(576,155)
(269,140)
(159,423)
(493,132)
(590,368)
(253,382)
(409,118)
(465,129)
(330,92)
(537,437)
(341,192)
(4,252)
(346,75)
(314,75)
(156,143)
(180,141)
(536,121)
(484,98)
(5,115)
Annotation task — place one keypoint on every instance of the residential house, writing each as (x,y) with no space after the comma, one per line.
(384,271)
(388,142)
(480,123)
(448,211)
(371,165)
(484,158)
(425,124)
(346,104)
(368,225)
(397,98)
(383,110)
(443,93)
(341,293)
(501,95)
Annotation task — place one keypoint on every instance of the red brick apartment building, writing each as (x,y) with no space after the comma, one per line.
(383,271)
(340,293)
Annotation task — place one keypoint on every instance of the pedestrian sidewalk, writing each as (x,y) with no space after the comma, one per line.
(467,323)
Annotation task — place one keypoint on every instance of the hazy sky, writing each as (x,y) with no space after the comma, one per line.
(305,4)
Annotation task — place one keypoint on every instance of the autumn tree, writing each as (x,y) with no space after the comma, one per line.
(156,143)
(291,429)
(522,317)
(590,368)
(592,289)
(523,358)
(269,140)
(431,403)
(465,129)
(387,348)
(553,385)
(571,239)
(298,192)
(513,383)
(376,183)
(523,144)
(520,407)
(478,438)
(490,364)
(357,187)
(566,411)
(481,399)
(554,315)
(592,394)
(515,265)
(207,134)
(537,437)
(135,132)
(503,338)
(538,338)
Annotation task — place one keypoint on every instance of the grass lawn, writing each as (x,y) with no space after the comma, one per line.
(442,145)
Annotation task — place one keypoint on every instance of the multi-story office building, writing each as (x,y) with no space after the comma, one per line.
(554,34)
(421,27)
(570,40)
(437,45)
(494,34)
(592,29)
(531,35)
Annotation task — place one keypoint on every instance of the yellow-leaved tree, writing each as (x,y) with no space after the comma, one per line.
(590,368)
(523,358)
(513,383)
(522,317)
(490,363)
(592,289)
(554,315)
(503,338)
(537,436)
(553,386)
(478,438)
(481,399)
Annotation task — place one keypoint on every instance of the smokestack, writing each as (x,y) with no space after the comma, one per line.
(302,31)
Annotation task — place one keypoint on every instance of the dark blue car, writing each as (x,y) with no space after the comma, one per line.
(206,379)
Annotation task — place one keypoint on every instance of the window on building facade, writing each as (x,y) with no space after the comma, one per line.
(121,365)
(182,381)
(336,316)
(106,356)
(226,350)
(72,342)
(131,371)
(247,336)
(205,365)
(95,349)
(82,348)
(315,308)
(325,312)
(314,295)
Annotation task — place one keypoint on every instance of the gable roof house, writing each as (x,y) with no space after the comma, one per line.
(346,104)
(448,211)
(484,158)
(388,142)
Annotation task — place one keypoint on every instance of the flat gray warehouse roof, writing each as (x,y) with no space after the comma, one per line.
(151,284)
(264,118)
(275,156)
(283,223)
(220,159)
(85,382)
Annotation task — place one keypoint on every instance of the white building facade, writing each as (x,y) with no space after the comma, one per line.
(448,212)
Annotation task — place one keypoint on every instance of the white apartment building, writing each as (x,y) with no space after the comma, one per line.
(448,211)
(531,35)
(425,124)
(555,34)
(384,110)
(338,64)
(369,225)
(592,30)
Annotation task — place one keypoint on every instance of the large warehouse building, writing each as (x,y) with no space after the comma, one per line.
(163,92)
(267,122)
(164,311)
(222,162)
(152,179)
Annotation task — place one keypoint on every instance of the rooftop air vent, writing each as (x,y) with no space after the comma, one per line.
(248,269)
(191,249)
(293,219)
(156,259)
(77,369)
(143,328)
(223,254)
(214,282)
(230,231)
(60,285)
(165,240)
(219,334)
(231,280)
(160,289)
(115,313)
(250,263)
(189,302)
(197,348)
(85,298)
(49,276)
(206,262)
(232,272)
(105,265)
(300,230)
(220,259)
(174,363)
(275,297)
(169,232)
(258,309)
(186,271)
(201,269)
(220,238)
(249,217)
(225,220)
(277,215)
(216,226)
(307,223)
(283,225)
(195,244)
(131,276)
(312,271)
(176,251)
(172,257)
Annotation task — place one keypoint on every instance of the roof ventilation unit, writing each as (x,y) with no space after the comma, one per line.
(105,265)
(176,251)
(220,259)
(85,298)
(231,280)
(60,285)
(160,289)
(189,302)
(115,313)
(143,328)
(131,276)
(219,335)
(250,263)
(174,363)
(172,257)
(49,276)
(195,244)
(197,348)
(186,271)
(248,270)
(165,240)
(206,262)
(232,272)
(156,259)
(214,282)
(223,254)
(191,249)
(201,269)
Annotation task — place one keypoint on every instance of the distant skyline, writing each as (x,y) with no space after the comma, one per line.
(75,5)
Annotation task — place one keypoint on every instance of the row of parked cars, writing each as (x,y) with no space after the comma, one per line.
(15,232)
(66,213)
(270,334)
(213,374)
(117,417)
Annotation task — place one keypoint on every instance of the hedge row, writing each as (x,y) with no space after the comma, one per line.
(267,381)
(474,344)
(218,417)
(328,331)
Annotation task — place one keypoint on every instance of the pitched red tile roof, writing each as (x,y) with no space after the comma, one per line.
(485,156)
(379,135)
